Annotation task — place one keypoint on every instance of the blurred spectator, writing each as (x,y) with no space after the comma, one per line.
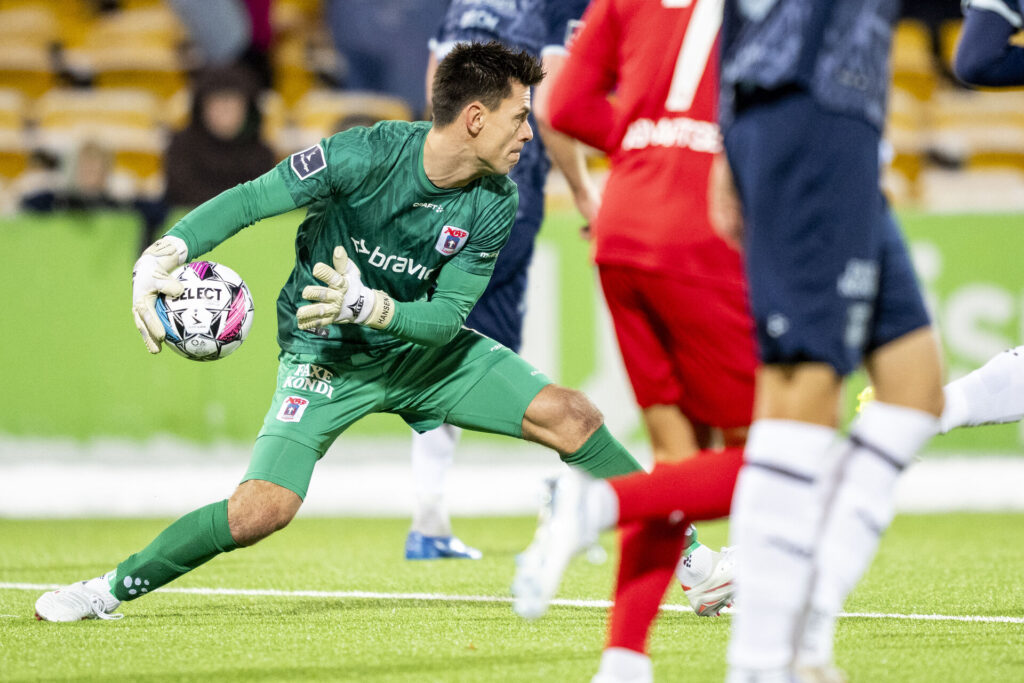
(381,43)
(221,146)
(85,180)
(229,32)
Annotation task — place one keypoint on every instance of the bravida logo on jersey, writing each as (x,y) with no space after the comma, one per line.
(309,162)
(452,239)
(292,409)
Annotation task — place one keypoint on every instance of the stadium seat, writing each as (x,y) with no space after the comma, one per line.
(905,132)
(154,24)
(67,107)
(127,121)
(14,152)
(156,68)
(12,108)
(983,129)
(33,24)
(913,68)
(321,112)
(291,73)
(972,190)
(277,131)
(25,67)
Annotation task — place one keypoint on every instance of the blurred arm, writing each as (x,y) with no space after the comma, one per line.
(984,55)
(565,153)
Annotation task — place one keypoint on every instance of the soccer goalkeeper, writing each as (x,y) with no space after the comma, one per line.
(392,212)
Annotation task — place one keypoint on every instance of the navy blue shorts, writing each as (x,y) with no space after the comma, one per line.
(499,312)
(830,278)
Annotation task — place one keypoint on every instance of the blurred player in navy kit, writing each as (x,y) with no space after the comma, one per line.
(803,98)
(535,26)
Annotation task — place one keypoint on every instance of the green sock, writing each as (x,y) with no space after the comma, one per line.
(691,539)
(187,543)
(603,456)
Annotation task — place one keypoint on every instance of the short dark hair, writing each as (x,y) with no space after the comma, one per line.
(480,71)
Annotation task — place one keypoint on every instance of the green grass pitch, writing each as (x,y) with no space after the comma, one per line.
(431,621)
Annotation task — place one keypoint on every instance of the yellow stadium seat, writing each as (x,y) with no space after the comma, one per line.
(67,107)
(913,68)
(949,36)
(291,73)
(972,190)
(29,24)
(14,152)
(13,107)
(156,68)
(322,112)
(25,67)
(151,25)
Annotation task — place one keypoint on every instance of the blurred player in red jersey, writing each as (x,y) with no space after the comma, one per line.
(640,84)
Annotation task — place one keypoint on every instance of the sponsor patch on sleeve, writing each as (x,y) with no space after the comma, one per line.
(309,162)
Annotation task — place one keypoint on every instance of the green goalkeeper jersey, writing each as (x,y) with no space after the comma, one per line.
(366,189)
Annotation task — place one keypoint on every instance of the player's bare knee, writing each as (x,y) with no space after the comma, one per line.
(560,418)
(580,419)
(259,508)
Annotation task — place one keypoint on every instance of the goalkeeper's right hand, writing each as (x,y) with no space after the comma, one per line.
(152,276)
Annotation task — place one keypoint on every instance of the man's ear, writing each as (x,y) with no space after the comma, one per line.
(474,115)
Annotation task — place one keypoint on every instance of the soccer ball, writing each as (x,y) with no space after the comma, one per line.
(212,317)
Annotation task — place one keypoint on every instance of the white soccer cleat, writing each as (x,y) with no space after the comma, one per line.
(619,665)
(820,674)
(90,599)
(709,597)
(564,531)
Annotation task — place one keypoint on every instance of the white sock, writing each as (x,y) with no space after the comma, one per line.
(775,518)
(602,505)
(883,441)
(695,566)
(620,665)
(432,455)
(992,394)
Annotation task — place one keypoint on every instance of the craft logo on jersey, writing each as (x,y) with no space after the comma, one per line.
(292,409)
(308,162)
(452,239)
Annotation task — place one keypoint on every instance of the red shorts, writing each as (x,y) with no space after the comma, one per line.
(684,344)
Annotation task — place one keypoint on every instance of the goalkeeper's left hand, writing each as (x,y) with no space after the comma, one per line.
(345,299)
(152,276)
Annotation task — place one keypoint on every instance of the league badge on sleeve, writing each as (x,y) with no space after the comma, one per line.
(308,162)
(451,240)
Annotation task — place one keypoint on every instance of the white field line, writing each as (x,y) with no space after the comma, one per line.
(439,597)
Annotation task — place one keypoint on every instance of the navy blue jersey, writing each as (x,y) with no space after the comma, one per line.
(838,50)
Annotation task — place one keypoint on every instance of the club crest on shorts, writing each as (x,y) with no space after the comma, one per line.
(292,409)
(309,161)
(451,240)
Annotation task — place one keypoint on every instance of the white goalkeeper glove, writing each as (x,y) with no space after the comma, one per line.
(152,276)
(345,299)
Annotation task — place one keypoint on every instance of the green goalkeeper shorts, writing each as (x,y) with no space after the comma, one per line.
(471,382)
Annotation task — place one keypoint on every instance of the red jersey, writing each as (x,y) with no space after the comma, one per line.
(641,85)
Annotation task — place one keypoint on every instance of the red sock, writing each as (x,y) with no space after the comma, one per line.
(650,553)
(699,488)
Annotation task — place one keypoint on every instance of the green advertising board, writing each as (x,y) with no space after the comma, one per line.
(74,366)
